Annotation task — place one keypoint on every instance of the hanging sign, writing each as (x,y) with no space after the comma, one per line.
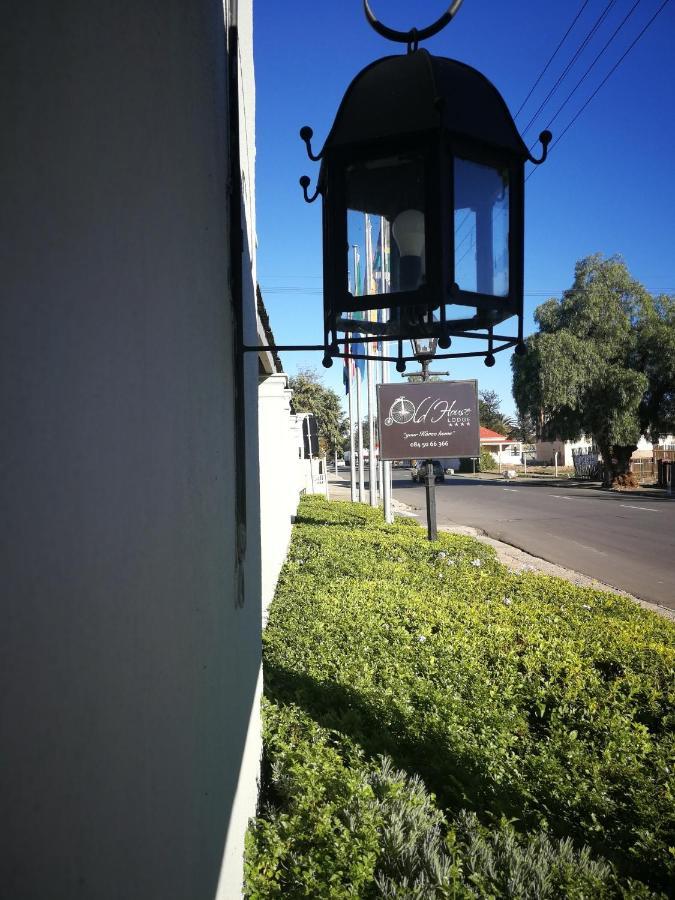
(435,419)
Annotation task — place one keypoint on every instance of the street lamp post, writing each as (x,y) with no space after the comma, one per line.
(423,351)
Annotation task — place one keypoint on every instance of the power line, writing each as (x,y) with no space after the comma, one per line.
(551,58)
(608,76)
(592,65)
(579,50)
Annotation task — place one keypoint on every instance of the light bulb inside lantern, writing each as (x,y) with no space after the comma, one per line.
(408,231)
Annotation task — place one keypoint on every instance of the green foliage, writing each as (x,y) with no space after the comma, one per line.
(486,463)
(337,824)
(524,429)
(309,395)
(656,358)
(602,363)
(538,713)
(490,414)
(418,379)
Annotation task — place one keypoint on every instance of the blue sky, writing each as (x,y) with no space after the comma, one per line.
(609,185)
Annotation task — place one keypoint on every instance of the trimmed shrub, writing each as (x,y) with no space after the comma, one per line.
(487,463)
(436,725)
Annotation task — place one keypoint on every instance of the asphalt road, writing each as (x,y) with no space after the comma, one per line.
(625,540)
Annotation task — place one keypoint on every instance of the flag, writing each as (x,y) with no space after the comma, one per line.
(369,282)
(357,346)
(381,272)
(348,369)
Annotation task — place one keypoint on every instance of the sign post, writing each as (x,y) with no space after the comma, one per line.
(434,419)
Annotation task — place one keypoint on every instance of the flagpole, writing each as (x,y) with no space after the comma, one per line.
(386,466)
(372,458)
(352,460)
(362,487)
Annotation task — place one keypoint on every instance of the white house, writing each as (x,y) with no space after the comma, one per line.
(505,451)
(546,450)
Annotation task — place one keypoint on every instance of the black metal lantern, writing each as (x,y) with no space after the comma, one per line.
(422,183)
(424,347)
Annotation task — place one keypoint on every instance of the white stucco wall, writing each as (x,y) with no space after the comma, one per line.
(130,677)
(546,450)
(505,456)
(279,491)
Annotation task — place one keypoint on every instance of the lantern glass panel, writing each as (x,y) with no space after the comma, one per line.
(385,225)
(481,228)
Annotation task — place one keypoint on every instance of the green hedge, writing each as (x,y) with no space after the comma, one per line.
(438,726)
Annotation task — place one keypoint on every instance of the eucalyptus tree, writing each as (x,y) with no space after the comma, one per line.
(311,395)
(601,364)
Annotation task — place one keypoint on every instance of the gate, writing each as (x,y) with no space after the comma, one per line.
(587,465)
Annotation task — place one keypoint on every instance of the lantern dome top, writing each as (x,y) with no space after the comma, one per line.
(418,92)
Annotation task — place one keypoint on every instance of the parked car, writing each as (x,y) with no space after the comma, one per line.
(418,472)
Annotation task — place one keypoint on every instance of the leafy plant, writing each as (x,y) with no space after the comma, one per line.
(438,726)
(487,462)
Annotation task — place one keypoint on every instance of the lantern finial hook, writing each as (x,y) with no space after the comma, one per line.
(545,139)
(304,184)
(414,36)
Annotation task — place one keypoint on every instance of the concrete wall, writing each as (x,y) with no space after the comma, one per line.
(279,489)
(130,676)
(505,456)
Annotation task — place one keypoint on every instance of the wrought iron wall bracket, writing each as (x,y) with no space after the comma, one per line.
(545,138)
(306,135)
(304,184)
(334,352)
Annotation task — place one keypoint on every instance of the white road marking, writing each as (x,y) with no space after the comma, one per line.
(560,497)
(645,508)
(514,490)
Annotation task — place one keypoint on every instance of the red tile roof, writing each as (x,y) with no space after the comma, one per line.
(487,435)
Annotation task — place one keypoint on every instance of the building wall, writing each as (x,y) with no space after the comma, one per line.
(546,450)
(505,456)
(279,489)
(130,668)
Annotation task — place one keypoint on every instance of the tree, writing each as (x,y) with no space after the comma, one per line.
(602,364)
(490,414)
(523,429)
(417,379)
(309,395)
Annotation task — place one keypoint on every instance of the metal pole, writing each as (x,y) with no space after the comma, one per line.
(362,487)
(352,460)
(555,456)
(370,372)
(429,479)
(384,281)
(386,469)
(430,486)
(372,458)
